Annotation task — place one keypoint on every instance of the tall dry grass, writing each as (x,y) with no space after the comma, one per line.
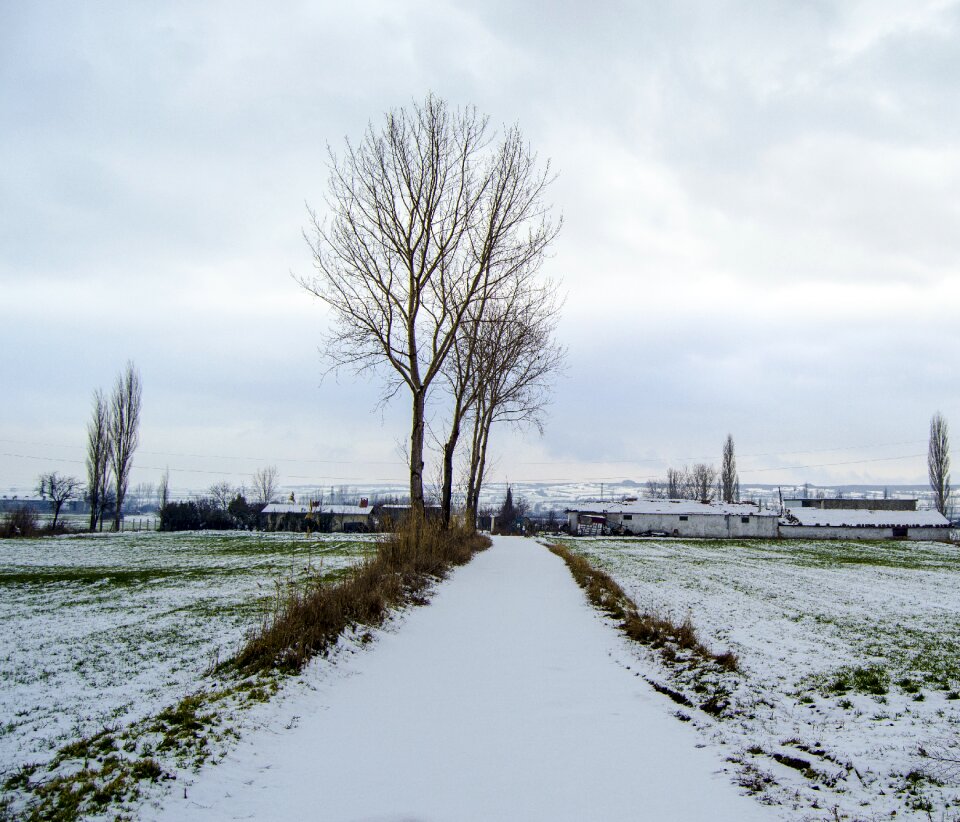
(655,630)
(406,564)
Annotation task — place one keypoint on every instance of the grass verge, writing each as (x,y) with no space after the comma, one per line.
(677,643)
(310,621)
(654,630)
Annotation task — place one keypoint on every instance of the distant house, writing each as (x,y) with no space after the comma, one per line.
(391,514)
(861,519)
(294,516)
(673,517)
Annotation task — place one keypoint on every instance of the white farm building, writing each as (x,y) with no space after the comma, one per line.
(824,519)
(676,518)
(801,519)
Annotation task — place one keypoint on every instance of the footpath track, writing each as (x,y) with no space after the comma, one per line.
(501,700)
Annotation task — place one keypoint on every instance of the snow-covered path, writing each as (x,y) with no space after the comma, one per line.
(501,700)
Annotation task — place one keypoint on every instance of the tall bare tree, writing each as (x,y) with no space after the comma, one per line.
(60,489)
(125,405)
(98,457)
(427,213)
(938,463)
(510,326)
(163,490)
(517,359)
(729,480)
(265,486)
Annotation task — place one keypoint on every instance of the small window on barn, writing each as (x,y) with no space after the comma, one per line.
(744,519)
(684,519)
(900,532)
(628,516)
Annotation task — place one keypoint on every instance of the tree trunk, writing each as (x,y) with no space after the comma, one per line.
(485,424)
(416,455)
(446,501)
(94,502)
(474,462)
(449,450)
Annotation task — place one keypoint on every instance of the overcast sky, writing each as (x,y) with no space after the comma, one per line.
(761,228)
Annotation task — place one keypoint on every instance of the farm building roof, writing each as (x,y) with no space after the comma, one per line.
(839,517)
(297,508)
(685,507)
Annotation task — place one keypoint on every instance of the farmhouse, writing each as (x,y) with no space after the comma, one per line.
(861,519)
(674,517)
(290,516)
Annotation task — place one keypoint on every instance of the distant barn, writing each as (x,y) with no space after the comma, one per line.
(291,516)
(861,519)
(674,517)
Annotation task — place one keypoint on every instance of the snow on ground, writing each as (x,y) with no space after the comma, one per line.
(818,627)
(502,700)
(102,630)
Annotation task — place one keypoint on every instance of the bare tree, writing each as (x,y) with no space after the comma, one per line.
(676,483)
(938,463)
(656,489)
(60,490)
(265,484)
(163,490)
(125,405)
(98,457)
(729,480)
(517,360)
(510,327)
(701,482)
(222,493)
(143,492)
(426,215)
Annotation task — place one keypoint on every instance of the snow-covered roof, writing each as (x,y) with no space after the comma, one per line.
(346,509)
(684,507)
(864,518)
(297,508)
(286,508)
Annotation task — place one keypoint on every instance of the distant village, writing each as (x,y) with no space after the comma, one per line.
(786,517)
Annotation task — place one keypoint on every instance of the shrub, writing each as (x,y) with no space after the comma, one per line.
(195,516)
(20,523)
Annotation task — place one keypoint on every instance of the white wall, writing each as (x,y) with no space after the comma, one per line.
(716,526)
(841,532)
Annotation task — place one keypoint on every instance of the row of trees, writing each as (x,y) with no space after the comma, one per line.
(225,506)
(428,262)
(702,482)
(113,435)
(112,438)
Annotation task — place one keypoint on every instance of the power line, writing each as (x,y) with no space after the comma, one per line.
(333,477)
(219,456)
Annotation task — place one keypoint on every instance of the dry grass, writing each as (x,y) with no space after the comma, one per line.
(310,621)
(654,630)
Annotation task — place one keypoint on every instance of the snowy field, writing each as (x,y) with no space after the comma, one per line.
(850,658)
(103,630)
